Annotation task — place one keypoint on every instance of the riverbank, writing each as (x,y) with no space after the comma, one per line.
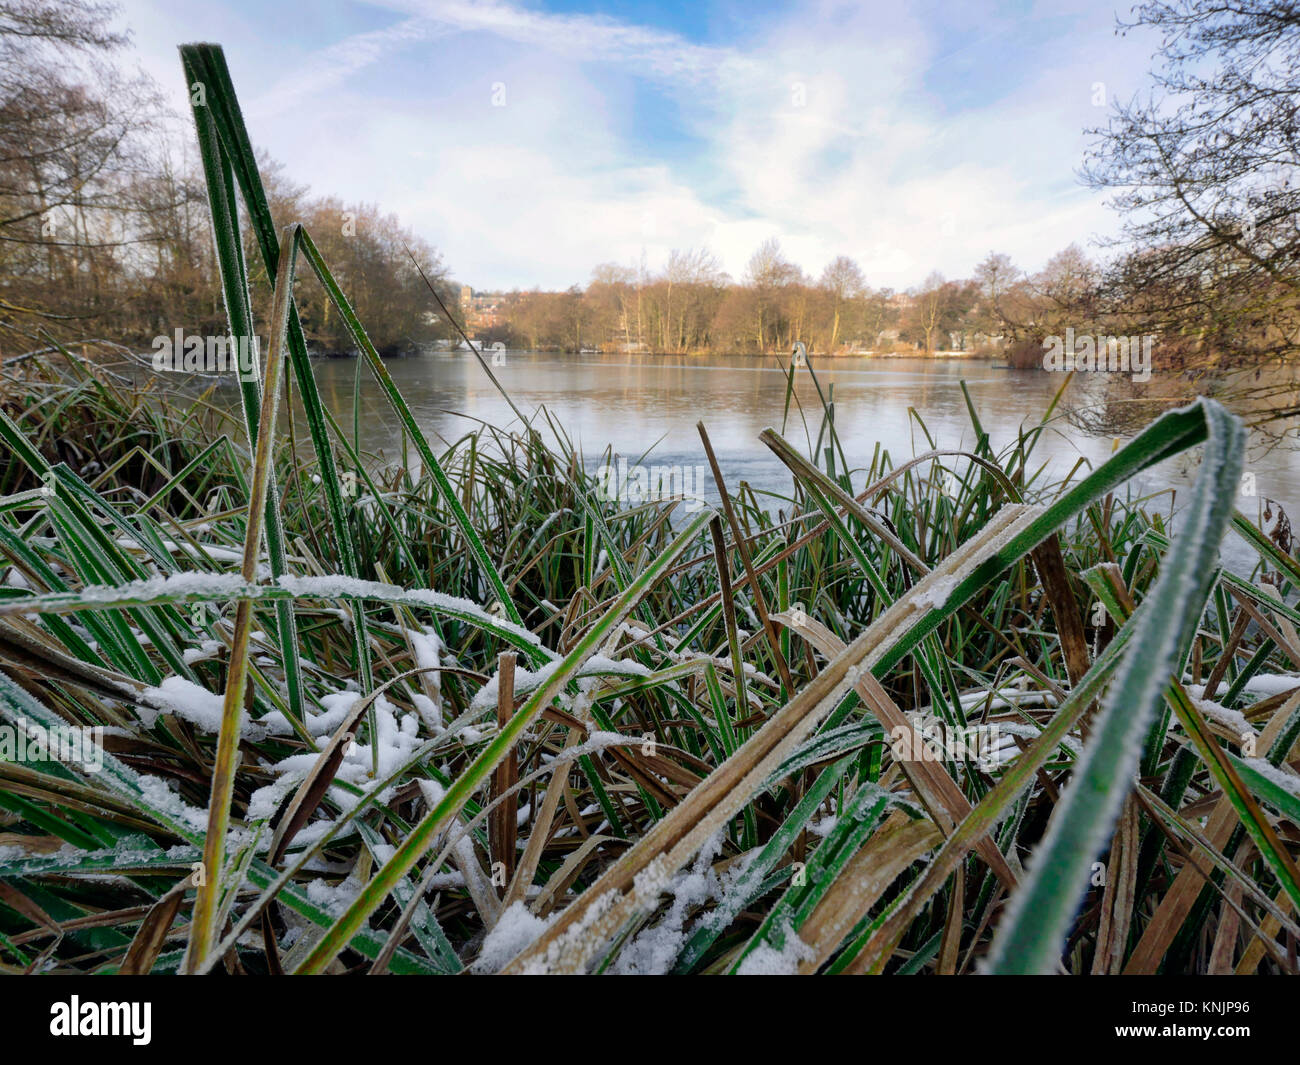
(907,353)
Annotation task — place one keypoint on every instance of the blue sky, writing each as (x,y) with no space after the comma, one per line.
(529,141)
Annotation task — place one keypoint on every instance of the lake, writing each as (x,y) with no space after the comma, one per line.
(639,403)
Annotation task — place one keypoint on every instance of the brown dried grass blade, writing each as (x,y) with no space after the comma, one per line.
(152,933)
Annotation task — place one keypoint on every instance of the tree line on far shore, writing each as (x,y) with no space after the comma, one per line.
(692,306)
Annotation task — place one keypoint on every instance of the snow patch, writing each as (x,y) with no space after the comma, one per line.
(516,930)
(767,960)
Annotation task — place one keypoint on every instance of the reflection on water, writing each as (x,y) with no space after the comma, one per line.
(640,403)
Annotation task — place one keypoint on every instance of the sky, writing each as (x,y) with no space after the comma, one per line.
(530,141)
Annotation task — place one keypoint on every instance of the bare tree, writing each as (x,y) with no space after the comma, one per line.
(843,282)
(609,295)
(937,306)
(1204,169)
(876,313)
(768,274)
(69,153)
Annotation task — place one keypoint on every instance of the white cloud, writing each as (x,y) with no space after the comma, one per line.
(332,66)
(824,129)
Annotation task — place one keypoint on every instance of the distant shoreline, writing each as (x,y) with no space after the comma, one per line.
(487,349)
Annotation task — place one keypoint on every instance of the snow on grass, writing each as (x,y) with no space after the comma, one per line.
(936,593)
(530,680)
(186,700)
(339,586)
(337,707)
(216,586)
(158,794)
(207,585)
(767,960)
(1028,732)
(654,949)
(127,851)
(207,649)
(999,699)
(427,649)
(216,552)
(516,930)
(263,803)
(202,708)
(1266,684)
(334,899)
(396,739)
(1283,778)
(1229,718)
(722,662)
